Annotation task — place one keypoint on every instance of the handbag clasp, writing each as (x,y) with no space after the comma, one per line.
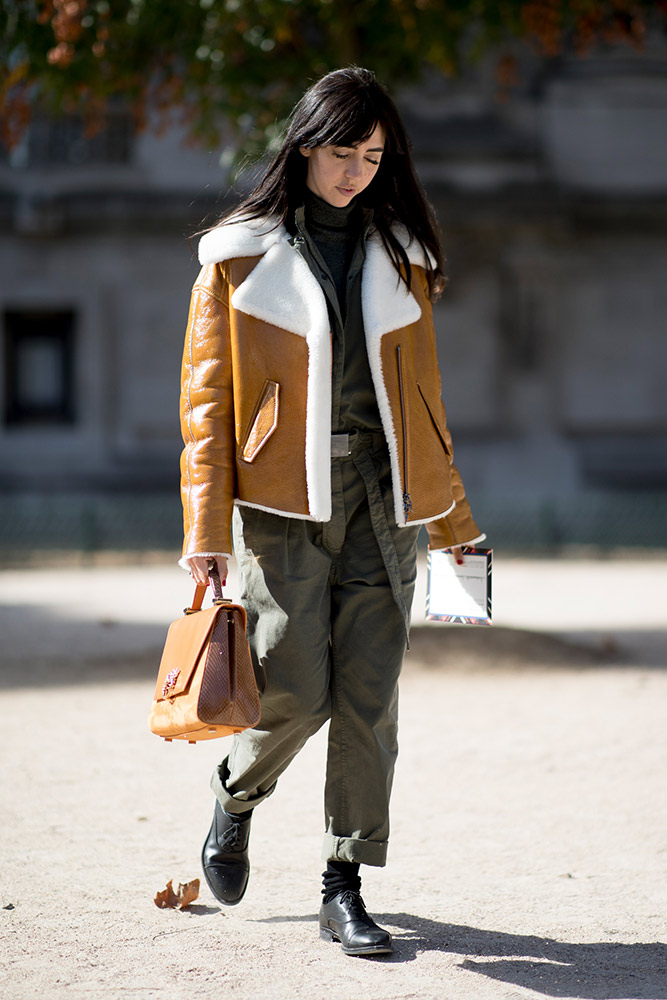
(170,682)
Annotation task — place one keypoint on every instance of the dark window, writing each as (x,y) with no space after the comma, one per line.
(39,366)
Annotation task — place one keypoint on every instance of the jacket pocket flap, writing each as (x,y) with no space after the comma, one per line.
(264,421)
(185,641)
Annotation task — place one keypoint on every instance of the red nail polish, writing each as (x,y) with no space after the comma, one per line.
(460,562)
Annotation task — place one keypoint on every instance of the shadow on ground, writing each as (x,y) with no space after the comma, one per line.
(469,647)
(604,970)
(108,651)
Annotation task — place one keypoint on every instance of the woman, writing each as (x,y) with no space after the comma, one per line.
(315,434)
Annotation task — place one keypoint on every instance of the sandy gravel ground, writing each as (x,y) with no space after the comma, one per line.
(528,853)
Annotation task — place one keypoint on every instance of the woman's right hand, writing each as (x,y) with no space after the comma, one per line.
(198,566)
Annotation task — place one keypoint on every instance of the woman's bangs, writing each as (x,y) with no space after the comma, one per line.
(350,129)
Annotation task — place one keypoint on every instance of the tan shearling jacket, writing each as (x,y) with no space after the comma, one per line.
(256,390)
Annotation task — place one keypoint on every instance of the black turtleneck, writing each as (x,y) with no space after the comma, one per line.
(335,232)
(332,241)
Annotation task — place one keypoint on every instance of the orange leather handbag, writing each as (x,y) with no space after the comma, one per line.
(206,683)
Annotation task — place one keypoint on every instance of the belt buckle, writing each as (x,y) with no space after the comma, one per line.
(340,445)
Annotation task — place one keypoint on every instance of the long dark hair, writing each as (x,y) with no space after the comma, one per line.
(342,109)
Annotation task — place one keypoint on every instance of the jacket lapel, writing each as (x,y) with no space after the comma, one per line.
(386,302)
(283,292)
(387,305)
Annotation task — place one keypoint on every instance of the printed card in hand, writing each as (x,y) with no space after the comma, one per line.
(459,594)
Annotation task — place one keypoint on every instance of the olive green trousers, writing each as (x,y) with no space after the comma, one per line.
(328,607)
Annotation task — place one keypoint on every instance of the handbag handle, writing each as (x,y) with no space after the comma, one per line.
(200,590)
(214,579)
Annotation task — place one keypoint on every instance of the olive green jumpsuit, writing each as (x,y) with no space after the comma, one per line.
(328,602)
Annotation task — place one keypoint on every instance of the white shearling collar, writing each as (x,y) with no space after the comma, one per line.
(245,238)
(282,291)
(253,237)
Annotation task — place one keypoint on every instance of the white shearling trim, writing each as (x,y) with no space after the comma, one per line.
(252,237)
(274,510)
(204,555)
(247,238)
(284,292)
(386,305)
(412,247)
(425,520)
(480,538)
(375,364)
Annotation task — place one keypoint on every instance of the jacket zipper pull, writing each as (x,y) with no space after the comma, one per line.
(407,504)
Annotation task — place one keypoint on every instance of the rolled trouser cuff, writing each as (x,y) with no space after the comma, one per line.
(366,852)
(231,803)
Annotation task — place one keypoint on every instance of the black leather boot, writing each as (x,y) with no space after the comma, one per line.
(224,856)
(344,919)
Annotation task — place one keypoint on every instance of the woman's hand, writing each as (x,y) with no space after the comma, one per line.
(457,552)
(198,566)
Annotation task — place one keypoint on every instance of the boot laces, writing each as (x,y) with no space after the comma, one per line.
(232,837)
(357,906)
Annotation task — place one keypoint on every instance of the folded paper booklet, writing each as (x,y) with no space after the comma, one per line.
(459,594)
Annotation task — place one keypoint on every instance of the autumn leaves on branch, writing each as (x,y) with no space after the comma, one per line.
(220,64)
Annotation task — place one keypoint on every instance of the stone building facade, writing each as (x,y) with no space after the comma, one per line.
(552,331)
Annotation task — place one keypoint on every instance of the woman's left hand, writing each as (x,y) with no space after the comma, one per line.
(457,552)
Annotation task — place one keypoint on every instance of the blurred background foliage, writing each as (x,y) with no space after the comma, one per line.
(547,171)
(243,63)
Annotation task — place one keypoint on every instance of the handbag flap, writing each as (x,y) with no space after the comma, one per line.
(186,639)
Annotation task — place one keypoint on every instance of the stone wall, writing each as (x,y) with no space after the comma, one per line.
(551,332)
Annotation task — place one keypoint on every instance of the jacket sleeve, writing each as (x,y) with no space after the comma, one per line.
(457,527)
(208,468)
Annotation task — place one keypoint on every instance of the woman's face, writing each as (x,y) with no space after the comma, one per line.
(339,173)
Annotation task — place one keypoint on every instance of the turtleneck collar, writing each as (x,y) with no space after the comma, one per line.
(329,216)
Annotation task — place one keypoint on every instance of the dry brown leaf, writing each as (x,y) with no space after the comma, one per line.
(179,898)
(188,892)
